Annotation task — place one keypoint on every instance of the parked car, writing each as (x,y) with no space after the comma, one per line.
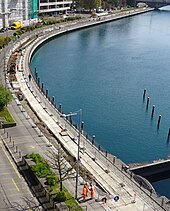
(3,29)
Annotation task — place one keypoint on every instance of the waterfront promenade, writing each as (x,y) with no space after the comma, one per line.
(107,170)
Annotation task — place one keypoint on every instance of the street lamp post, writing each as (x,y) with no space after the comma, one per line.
(78,145)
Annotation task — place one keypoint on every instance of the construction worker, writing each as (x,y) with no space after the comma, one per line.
(84,192)
(91,188)
(87,188)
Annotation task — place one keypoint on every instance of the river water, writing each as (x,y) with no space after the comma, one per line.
(104,70)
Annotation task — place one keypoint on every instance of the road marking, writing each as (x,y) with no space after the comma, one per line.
(16,171)
(15,184)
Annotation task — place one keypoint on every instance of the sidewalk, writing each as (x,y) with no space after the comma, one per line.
(106,171)
(109,181)
(28,140)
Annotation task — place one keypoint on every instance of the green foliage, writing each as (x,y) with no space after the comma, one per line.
(60,196)
(52,180)
(88,4)
(2,41)
(6,114)
(35,157)
(5,97)
(41,169)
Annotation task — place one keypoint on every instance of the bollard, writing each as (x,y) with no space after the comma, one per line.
(144,93)
(10,139)
(19,154)
(153,109)
(60,108)
(7,134)
(53,100)
(159,120)
(82,125)
(147,104)
(93,139)
(16,149)
(106,153)
(162,203)
(38,81)
(46,93)
(42,87)
(13,144)
(114,159)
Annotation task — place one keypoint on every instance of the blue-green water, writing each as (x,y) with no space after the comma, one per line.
(104,70)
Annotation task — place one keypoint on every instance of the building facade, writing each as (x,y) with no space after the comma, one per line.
(21,10)
(54,7)
(15,10)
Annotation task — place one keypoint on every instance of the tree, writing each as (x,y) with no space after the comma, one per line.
(5,97)
(88,4)
(57,161)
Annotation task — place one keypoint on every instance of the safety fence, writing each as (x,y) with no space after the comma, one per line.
(96,151)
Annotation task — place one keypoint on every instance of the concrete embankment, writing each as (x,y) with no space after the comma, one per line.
(106,171)
(152,169)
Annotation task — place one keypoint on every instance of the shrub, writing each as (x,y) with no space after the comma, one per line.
(60,196)
(5,97)
(35,157)
(52,180)
(41,169)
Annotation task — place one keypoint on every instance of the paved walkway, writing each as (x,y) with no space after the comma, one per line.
(106,170)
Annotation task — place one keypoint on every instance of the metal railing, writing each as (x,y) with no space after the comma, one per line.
(96,151)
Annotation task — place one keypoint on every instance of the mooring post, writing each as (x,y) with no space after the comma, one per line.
(168,133)
(46,93)
(38,82)
(147,102)
(153,109)
(42,87)
(53,100)
(144,93)
(159,120)
(36,77)
(60,108)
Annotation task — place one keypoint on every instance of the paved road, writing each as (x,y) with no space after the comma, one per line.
(28,140)
(15,193)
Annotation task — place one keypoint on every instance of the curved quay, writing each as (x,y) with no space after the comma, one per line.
(107,170)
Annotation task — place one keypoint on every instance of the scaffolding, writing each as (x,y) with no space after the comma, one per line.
(13,10)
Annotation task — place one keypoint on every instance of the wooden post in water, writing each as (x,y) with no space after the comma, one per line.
(147,104)
(153,109)
(159,120)
(168,133)
(144,94)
